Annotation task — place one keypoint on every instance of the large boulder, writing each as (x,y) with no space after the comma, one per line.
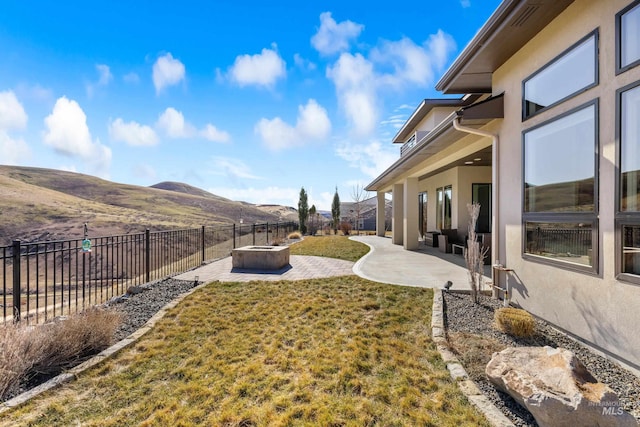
(556,388)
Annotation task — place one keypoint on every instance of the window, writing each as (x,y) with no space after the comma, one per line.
(628,37)
(628,212)
(443,208)
(560,188)
(481,193)
(574,71)
(422,212)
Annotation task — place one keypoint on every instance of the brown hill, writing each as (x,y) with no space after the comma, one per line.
(44,204)
(180,187)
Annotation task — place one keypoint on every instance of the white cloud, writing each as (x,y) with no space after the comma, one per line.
(396,121)
(303,63)
(14,151)
(68,134)
(371,159)
(105,74)
(104,77)
(211,133)
(413,64)
(132,133)
(131,78)
(312,124)
(232,168)
(355,82)
(34,92)
(260,196)
(172,123)
(262,69)
(392,65)
(167,71)
(333,37)
(12,114)
(465,3)
(440,45)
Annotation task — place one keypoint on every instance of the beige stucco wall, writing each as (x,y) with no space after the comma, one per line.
(597,308)
(461,180)
(435,116)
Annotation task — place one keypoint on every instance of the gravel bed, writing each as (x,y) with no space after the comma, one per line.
(139,308)
(461,315)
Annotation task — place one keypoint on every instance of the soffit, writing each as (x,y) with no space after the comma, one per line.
(511,26)
(441,137)
(437,140)
(424,109)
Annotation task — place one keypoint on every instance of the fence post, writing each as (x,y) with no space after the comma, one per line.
(203,244)
(147,250)
(234,235)
(16,280)
(253,230)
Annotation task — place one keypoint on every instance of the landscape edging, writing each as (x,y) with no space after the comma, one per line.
(457,371)
(74,372)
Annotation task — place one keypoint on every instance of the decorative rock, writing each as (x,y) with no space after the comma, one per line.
(134,290)
(556,388)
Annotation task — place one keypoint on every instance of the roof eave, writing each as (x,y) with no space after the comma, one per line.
(506,31)
(425,107)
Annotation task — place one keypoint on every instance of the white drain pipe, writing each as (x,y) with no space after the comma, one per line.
(495,175)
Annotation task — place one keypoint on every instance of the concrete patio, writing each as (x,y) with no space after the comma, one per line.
(387,263)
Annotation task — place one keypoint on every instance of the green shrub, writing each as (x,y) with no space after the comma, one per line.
(515,322)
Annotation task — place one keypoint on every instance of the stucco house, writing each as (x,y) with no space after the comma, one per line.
(544,132)
(367,210)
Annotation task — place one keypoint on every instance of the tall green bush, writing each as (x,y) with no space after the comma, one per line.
(303,211)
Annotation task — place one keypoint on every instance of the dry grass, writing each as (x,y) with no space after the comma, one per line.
(331,352)
(339,247)
(295,235)
(28,351)
(515,322)
(473,351)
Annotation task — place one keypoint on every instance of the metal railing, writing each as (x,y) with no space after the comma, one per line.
(559,240)
(43,280)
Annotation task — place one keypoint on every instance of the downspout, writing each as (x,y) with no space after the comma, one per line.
(495,175)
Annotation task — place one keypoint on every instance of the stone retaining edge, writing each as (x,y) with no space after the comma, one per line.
(74,372)
(457,371)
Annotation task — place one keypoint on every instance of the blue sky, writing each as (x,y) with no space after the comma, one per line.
(248,100)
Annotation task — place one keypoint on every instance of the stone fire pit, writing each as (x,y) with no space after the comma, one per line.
(261,257)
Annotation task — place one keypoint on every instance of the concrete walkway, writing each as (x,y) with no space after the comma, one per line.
(301,267)
(385,263)
(426,267)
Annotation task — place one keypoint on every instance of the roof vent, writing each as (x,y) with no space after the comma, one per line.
(524,16)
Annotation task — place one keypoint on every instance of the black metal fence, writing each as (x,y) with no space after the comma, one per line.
(43,280)
(567,241)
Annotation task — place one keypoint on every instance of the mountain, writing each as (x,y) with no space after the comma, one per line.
(44,204)
(181,187)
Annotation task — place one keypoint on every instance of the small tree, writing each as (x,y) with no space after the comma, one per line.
(475,254)
(335,212)
(358,194)
(313,225)
(303,211)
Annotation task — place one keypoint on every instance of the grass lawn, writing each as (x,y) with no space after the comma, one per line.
(330,352)
(330,246)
